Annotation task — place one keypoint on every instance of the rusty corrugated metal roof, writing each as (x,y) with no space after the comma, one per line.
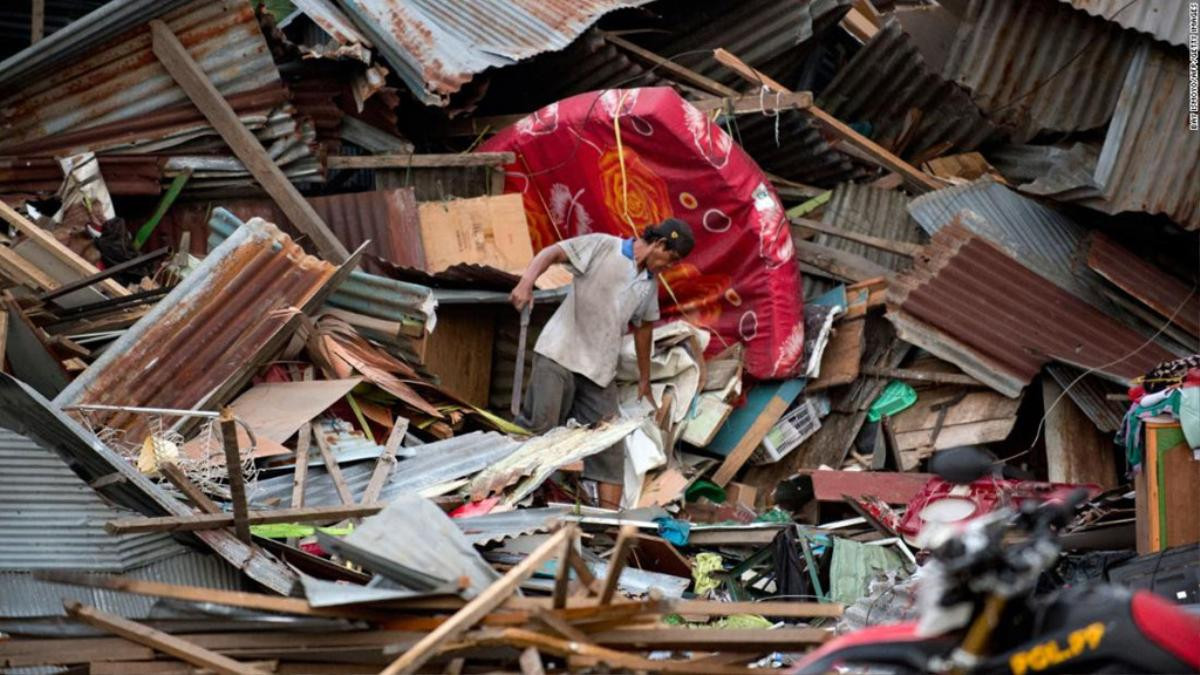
(869,210)
(1164,19)
(1038,65)
(968,302)
(437,46)
(1158,290)
(204,331)
(885,80)
(1150,161)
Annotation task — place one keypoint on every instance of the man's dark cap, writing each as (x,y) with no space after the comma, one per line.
(674,233)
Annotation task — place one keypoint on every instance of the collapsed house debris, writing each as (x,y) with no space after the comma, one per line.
(264,392)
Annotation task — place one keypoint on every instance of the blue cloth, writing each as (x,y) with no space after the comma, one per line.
(627,248)
(674,531)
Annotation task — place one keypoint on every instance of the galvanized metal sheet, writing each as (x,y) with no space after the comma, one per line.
(1150,160)
(868,210)
(886,81)
(493,527)
(28,413)
(51,519)
(1166,20)
(204,331)
(437,46)
(969,302)
(1039,65)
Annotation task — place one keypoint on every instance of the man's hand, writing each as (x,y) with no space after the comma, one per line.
(521,296)
(644,392)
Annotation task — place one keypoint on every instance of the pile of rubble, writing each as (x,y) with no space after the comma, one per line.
(261,369)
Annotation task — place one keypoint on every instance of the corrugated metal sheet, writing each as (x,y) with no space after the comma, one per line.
(874,211)
(1041,238)
(493,527)
(1164,19)
(1158,290)
(788,145)
(968,302)
(1150,162)
(886,80)
(204,331)
(28,413)
(1063,173)
(104,23)
(1090,393)
(437,46)
(1039,65)
(23,596)
(417,534)
(434,464)
(767,34)
(362,292)
(51,519)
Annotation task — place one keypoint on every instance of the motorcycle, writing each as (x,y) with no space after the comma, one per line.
(978,612)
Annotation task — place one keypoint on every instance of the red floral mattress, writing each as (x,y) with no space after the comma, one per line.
(741,281)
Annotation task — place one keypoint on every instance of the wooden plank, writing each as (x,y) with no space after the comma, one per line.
(684,74)
(842,361)
(901,247)
(841,264)
(217,521)
(781,609)
(859,26)
(156,639)
(917,180)
(1076,451)
(300,471)
(491,598)
(277,410)
(195,83)
(460,350)
(257,601)
(3,334)
(562,576)
(485,230)
(713,639)
(405,161)
(37,21)
(233,469)
(531,662)
(559,625)
(625,542)
(332,468)
(57,249)
(189,489)
(741,453)
(915,375)
(20,271)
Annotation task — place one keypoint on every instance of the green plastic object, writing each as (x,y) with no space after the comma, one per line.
(895,397)
(704,488)
(168,199)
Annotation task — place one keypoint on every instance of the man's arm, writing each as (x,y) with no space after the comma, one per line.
(643,336)
(523,293)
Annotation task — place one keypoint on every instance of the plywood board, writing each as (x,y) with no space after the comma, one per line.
(980,417)
(484,230)
(459,351)
(276,410)
(843,356)
(1076,451)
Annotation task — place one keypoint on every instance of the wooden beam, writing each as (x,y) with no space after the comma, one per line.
(491,598)
(37,21)
(625,542)
(233,469)
(919,181)
(189,489)
(23,272)
(257,601)
(562,576)
(462,159)
(740,454)
(217,521)
(531,662)
(684,74)
(332,468)
(835,261)
(386,462)
(900,247)
(156,639)
(791,610)
(54,247)
(195,83)
(300,471)
(712,639)
(559,625)
(913,375)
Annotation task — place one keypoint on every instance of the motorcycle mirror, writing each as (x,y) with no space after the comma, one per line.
(961,465)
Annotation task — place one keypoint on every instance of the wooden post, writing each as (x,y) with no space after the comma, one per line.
(616,563)
(562,575)
(233,468)
(531,662)
(155,639)
(189,489)
(300,472)
(385,463)
(195,83)
(471,613)
(37,23)
(331,465)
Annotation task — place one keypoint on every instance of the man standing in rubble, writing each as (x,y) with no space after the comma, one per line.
(575,359)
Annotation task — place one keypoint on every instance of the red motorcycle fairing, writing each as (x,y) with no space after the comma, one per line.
(1167,626)
(897,645)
